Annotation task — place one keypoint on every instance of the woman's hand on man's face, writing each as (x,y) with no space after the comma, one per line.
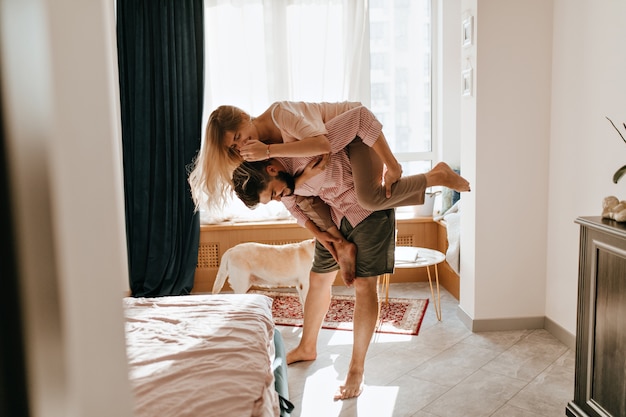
(253,150)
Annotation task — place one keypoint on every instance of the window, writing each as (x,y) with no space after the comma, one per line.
(259,52)
(401,89)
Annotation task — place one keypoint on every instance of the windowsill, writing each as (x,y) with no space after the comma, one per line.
(244,224)
(275,214)
(400,217)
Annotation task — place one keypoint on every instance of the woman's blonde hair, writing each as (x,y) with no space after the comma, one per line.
(211,176)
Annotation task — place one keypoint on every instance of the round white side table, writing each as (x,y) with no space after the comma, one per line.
(416,257)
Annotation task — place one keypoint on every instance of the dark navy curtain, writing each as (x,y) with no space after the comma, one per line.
(161,59)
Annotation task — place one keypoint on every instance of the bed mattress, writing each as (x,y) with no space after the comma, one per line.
(201,355)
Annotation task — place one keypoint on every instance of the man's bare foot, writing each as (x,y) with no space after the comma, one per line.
(353,387)
(443,175)
(346,252)
(300,354)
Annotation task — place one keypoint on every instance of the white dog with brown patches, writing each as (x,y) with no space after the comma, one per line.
(258,264)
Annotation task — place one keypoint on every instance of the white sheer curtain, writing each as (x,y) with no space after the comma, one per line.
(258,52)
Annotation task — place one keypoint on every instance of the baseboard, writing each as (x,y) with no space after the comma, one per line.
(518,323)
(464,317)
(494,325)
(514,323)
(567,338)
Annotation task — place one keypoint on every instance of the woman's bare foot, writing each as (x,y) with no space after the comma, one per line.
(353,387)
(443,175)
(300,354)
(346,252)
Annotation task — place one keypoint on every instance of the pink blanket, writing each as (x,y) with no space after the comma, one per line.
(201,355)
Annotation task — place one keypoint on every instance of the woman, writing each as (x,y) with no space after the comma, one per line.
(297,129)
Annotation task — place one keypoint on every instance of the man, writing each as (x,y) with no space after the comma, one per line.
(372,232)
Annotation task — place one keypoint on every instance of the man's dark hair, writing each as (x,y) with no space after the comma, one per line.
(249,179)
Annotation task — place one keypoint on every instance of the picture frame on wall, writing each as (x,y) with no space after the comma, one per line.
(467,31)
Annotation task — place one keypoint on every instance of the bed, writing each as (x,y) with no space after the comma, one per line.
(205,355)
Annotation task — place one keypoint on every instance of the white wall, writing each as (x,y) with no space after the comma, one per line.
(538,150)
(505,143)
(60,103)
(588,83)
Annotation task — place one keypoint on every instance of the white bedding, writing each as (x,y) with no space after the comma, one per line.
(201,355)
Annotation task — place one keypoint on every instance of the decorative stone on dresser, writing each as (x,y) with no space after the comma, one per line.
(600,381)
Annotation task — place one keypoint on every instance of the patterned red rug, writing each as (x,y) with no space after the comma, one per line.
(400,316)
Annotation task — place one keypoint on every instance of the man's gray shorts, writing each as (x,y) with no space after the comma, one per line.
(375,239)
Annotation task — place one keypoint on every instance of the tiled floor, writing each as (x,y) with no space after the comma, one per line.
(444,371)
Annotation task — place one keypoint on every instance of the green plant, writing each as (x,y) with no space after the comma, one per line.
(620,172)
